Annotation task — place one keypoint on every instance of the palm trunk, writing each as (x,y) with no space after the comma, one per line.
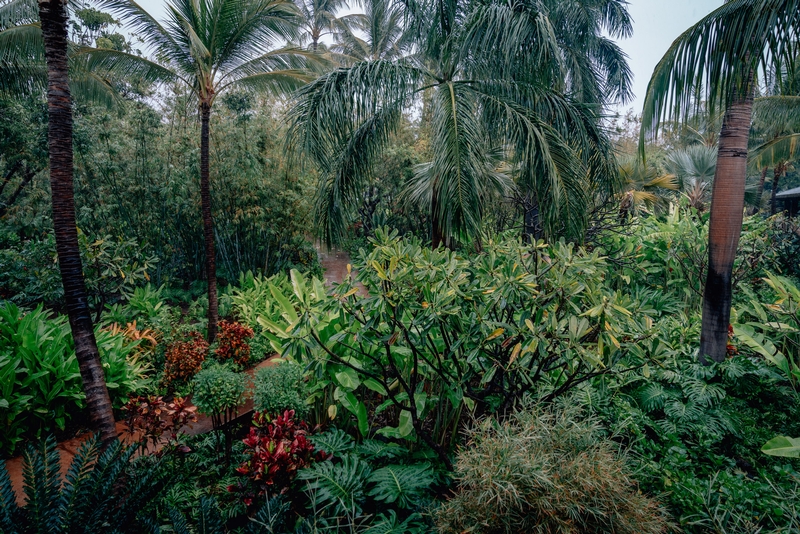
(437,232)
(725,226)
(53,17)
(776,179)
(760,192)
(208,224)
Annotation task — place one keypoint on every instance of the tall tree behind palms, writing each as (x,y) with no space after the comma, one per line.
(717,58)
(53,17)
(212,47)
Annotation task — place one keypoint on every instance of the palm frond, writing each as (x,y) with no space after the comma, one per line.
(713,60)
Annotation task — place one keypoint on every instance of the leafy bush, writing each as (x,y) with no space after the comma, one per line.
(218,390)
(280,387)
(40,382)
(183,359)
(545,470)
(232,343)
(278,448)
(438,334)
(147,418)
(97,495)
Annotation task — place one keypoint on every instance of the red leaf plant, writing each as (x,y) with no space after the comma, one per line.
(278,449)
(148,418)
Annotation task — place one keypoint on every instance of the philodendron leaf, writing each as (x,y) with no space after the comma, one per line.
(782,446)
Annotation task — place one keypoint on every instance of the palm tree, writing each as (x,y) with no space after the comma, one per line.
(53,18)
(318,19)
(725,49)
(694,166)
(212,47)
(496,83)
(644,186)
(378,33)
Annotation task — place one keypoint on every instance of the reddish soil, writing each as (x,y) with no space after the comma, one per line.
(68,449)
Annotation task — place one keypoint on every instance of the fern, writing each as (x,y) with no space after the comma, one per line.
(10,514)
(403,484)
(179,524)
(337,488)
(42,480)
(335,442)
(208,517)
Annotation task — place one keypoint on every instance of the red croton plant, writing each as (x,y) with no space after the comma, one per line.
(148,418)
(277,450)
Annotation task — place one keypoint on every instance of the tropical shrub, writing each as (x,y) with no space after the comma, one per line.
(280,387)
(218,392)
(374,486)
(232,343)
(41,385)
(97,495)
(545,470)
(148,418)
(183,359)
(277,449)
(437,334)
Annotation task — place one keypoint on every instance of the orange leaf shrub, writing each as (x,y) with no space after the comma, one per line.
(232,338)
(183,359)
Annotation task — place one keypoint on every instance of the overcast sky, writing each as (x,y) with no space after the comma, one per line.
(656,23)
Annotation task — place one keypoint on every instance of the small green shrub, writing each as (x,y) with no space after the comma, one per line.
(280,387)
(217,390)
(545,470)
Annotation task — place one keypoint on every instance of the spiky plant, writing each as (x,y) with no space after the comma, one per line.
(95,496)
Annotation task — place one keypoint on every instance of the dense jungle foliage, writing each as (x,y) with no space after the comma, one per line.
(505,336)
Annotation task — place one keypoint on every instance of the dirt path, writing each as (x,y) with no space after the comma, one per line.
(68,449)
(334,262)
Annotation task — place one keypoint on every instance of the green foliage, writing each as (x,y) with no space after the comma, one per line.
(545,470)
(438,333)
(97,495)
(42,387)
(280,387)
(218,388)
(336,488)
(401,484)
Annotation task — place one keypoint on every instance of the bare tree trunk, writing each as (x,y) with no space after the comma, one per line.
(725,226)
(760,192)
(29,174)
(437,232)
(776,179)
(208,224)
(53,15)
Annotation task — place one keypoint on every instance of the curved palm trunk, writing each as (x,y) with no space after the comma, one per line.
(725,227)
(208,224)
(59,138)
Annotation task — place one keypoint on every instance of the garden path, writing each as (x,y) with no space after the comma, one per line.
(69,448)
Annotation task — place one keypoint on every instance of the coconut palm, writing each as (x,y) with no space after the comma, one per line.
(212,47)
(22,47)
(378,33)
(716,60)
(318,19)
(495,78)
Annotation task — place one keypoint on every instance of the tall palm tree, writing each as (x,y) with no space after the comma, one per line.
(211,47)
(318,19)
(496,82)
(717,58)
(378,33)
(53,17)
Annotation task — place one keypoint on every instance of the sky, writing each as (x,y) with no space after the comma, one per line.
(656,23)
